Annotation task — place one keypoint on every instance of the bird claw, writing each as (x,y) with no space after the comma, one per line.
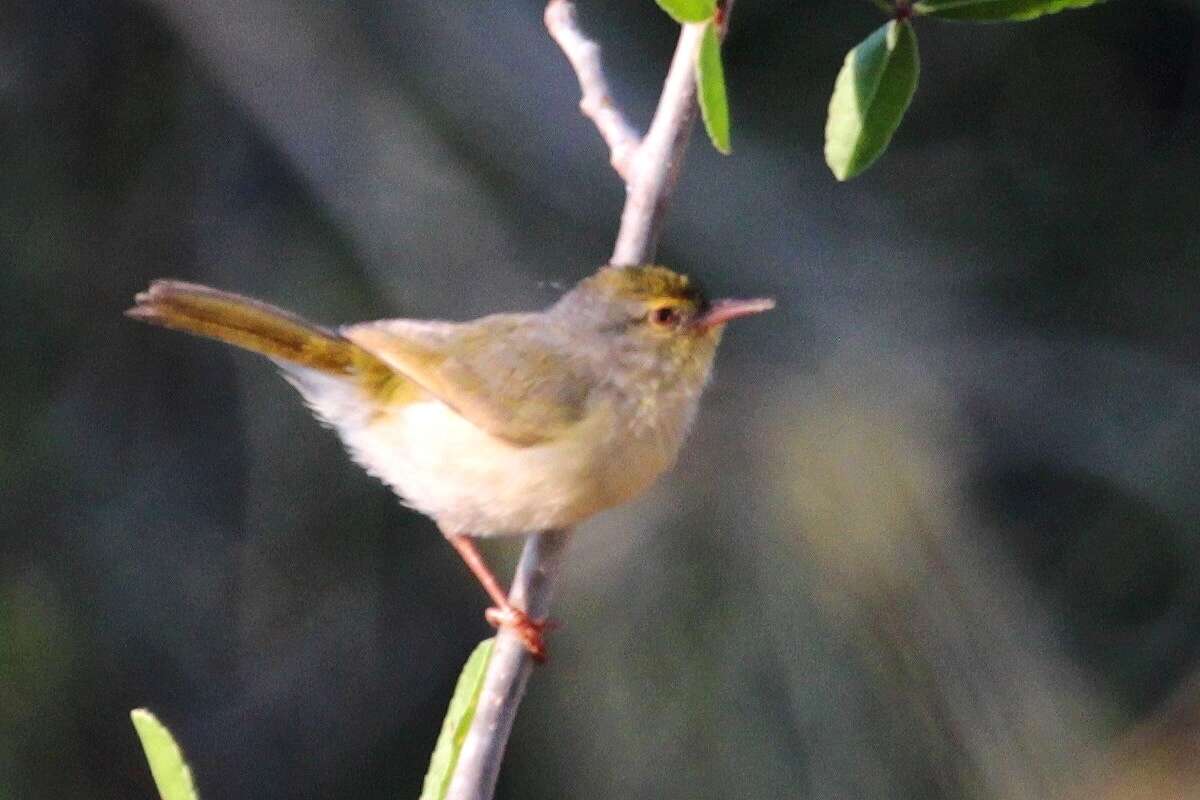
(529,630)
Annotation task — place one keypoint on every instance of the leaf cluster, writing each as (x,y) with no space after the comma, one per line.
(877,80)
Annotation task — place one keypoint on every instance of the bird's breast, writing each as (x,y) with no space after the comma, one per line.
(474,483)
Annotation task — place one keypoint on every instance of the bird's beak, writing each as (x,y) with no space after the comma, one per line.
(722,311)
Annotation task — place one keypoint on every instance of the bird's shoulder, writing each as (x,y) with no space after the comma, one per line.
(509,374)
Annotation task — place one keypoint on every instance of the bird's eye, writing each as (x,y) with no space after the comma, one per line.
(665,316)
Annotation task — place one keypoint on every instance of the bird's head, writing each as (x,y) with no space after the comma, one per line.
(653,316)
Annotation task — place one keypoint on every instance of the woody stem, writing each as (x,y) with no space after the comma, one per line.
(649,181)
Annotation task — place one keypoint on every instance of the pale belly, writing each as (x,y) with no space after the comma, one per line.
(473,483)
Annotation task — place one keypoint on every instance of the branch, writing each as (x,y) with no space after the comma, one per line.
(658,159)
(597,102)
(507,672)
(649,167)
(650,177)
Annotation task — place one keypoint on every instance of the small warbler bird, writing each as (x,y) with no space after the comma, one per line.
(507,424)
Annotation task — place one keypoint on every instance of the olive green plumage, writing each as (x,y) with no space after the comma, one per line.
(503,424)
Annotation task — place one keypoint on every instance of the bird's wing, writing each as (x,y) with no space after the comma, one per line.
(496,372)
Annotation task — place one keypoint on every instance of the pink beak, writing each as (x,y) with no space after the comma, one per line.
(722,311)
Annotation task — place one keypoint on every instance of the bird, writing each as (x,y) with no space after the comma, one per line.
(503,425)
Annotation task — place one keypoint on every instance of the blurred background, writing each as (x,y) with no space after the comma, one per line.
(936,534)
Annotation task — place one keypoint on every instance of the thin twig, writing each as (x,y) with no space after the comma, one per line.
(656,165)
(649,185)
(596,102)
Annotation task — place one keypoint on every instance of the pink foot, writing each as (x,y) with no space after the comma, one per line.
(530,630)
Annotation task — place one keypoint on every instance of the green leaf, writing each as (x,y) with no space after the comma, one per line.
(170,771)
(996,10)
(457,723)
(870,96)
(689,10)
(710,89)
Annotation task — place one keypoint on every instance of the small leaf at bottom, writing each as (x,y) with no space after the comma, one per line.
(710,89)
(171,773)
(870,96)
(458,721)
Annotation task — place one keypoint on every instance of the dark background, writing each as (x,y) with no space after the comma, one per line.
(935,535)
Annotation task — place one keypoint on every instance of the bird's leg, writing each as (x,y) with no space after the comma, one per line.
(503,614)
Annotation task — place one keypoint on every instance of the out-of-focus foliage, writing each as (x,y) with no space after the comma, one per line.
(171,773)
(935,533)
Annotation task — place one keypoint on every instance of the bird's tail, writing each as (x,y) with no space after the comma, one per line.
(252,325)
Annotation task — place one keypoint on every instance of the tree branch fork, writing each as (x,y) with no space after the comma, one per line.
(649,166)
(596,101)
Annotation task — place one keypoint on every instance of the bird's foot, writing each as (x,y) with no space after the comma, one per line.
(528,629)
